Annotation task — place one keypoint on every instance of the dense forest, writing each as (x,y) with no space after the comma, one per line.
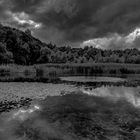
(22,48)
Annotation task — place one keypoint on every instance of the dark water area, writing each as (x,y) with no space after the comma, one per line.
(70,111)
(74,116)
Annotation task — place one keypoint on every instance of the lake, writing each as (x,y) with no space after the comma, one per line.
(105,112)
(16,90)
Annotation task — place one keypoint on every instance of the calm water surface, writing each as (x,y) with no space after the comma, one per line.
(12,91)
(92,79)
(18,119)
(131,94)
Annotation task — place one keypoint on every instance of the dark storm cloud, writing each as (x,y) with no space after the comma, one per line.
(78,20)
(25,5)
(81,19)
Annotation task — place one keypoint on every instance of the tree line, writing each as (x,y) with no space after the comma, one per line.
(22,48)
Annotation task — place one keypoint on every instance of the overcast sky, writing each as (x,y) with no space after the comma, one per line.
(101,23)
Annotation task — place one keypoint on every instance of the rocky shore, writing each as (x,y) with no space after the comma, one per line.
(6,105)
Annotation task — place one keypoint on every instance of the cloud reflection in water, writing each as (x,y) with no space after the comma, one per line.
(130,94)
(23,114)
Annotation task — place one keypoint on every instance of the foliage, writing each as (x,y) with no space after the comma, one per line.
(22,48)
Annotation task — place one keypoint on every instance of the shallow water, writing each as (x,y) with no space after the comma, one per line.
(92,79)
(22,123)
(14,91)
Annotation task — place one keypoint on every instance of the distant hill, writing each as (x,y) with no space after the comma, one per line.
(22,48)
(19,47)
